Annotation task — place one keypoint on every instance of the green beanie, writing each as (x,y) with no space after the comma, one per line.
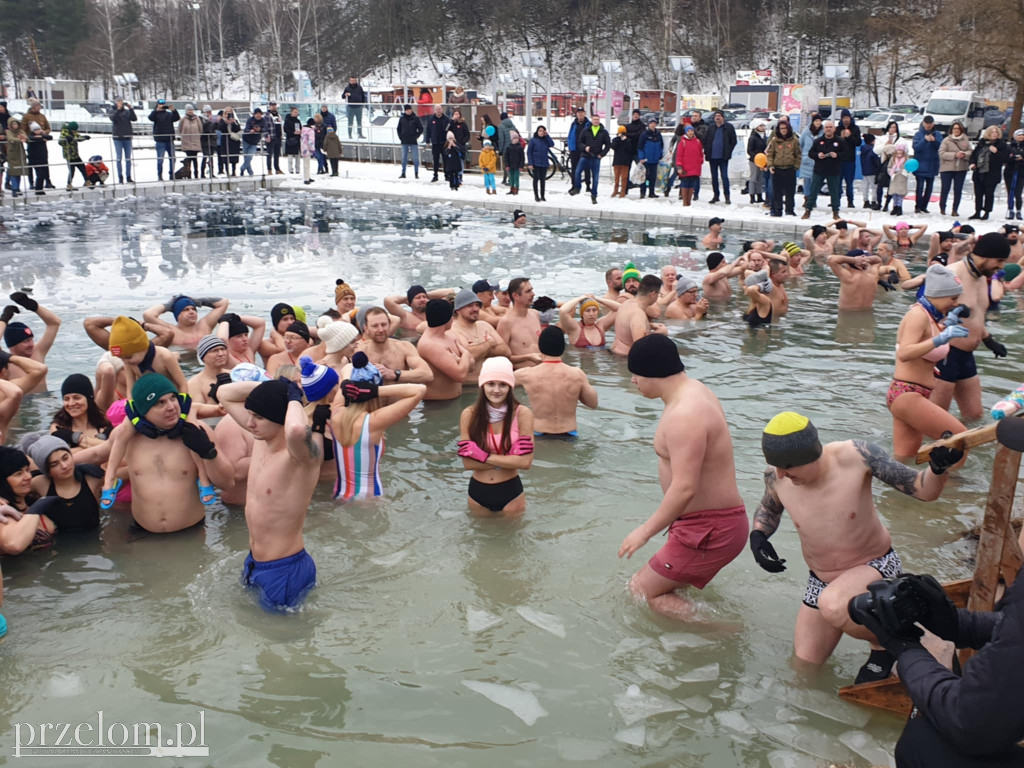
(148,390)
(299,312)
(630,273)
(72,125)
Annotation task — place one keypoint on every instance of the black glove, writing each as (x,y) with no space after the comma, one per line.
(9,311)
(208,301)
(321,415)
(887,285)
(22,298)
(358,391)
(228,316)
(197,441)
(894,638)
(941,459)
(222,378)
(894,277)
(997,349)
(765,553)
(294,392)
(943,619)
(69,437)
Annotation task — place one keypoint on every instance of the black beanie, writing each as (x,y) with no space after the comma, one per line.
(11,460)
(278,312)
(714,259)
(269,400)
(654,357)
(992,245)
(237,328)
(77,384)
(413,292)
(439,312)
(299,328)
(552,341)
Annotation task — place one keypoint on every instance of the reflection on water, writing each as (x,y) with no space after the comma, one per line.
(415,598)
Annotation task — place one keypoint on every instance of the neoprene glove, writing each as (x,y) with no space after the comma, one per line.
(22,298)
(894,638)
(943,619)
(321,415)
(294,392)
(997,349)
(943,458)
(894,277)
(764,552)
(208,301)
(952,332)
(887,285)
(468,449)
(358,391)
(197,441)
(9,311)
(522,447)
(957,315)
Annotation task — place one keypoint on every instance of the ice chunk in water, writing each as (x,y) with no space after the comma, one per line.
(698,704)
(478,621)
(810,740)
(672,641)
(584,750)
(867,747)
(635,736)
(64,685)
(700,674)
(520,703)
(635,706)
(546,621)
(735,721)
(783,759)
(826,705)
(630,644)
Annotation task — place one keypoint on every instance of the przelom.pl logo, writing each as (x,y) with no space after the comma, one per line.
(115,739)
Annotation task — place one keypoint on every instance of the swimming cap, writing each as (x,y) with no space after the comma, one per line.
(148,390)
(551,341)
(317,380)
(77,384)
(588,303)
(15,333)
(338,335)
(941,282)
(299,329)
(791,248)
(126,337)
(464,298)
(901,225)
(248,372)
(413,292)
(684,284)
(991,245)
(630,272)
(269,400)
(207,344)
(41,450)
(497,369)
(341,290)
(439,312)
(654,357)
(364,370)
(790,440)
(278,311)
(714,259)
(180,304)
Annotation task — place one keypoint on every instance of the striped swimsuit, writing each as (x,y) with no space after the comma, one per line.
(358,466)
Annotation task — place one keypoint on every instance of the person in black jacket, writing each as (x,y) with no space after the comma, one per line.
(757,143)
(437,132)
(987,161)
(122,118)
(273,118)
(849,133)
(719,143)
(827,152)
(208,141)
(594,144)
(409,131)
(163,118)
(292,133)
(355,97)
(461,130)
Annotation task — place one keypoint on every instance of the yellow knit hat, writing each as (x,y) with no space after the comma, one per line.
(790,440)
(127,337)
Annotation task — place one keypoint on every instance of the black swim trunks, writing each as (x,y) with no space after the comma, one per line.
(957,366)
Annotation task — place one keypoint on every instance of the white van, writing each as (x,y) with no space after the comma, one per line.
(966,107)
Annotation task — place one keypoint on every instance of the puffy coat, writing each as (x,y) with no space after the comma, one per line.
(948,161)
(36,117)
(806,139)
(651,146)
(690,156)
(209,137)
(515,155)
(489,160)
(728,140)
(68,141)
(622,150)
(15,154)
(870,162)
(756,144)
(599,143)
(574,134)
(537,151)
(633,131)
(897,179)
(191,130)
(437,129)
(461,131)
(927,153)
(329,120)
(122,120)
(332,145)
(307,141)
(504,134)
(852,141)
(409,129)
(784,152)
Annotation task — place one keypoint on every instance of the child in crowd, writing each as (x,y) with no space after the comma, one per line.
(69,140)
(96,171)
(452,161)
(489,164)
(870,165)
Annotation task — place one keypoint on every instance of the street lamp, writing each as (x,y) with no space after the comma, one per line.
(506,79)
(531,59)
(835,73)
(195,40)
(610,67)
(590,86)
(445,69)
(679,65)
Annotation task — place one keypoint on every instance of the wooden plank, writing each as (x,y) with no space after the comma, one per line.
(958,591)
(994,528)
(889,695)
(1012,559)
(972,438)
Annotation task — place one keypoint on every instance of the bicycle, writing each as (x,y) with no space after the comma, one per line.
(560,163)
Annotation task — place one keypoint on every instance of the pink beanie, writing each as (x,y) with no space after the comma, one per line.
(497,369)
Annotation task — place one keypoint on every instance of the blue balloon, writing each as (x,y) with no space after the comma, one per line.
(489,130)
(912,165)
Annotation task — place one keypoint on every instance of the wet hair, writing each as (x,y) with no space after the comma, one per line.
(649,284)
(479,422)
(516,284)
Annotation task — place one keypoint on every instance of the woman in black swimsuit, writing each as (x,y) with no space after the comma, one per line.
(70,494)
(23,529)
(757,287)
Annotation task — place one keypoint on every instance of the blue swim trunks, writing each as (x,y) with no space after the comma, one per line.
(570,433)
(283,583)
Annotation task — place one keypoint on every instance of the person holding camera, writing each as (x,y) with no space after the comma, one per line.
(163,119)
(827,491)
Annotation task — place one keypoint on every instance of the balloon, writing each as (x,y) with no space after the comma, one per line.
(912,165)
(761,160)
(489,130)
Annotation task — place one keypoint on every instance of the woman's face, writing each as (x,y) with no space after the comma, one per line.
(75,405)
(957,130)
(496,392)
(944,304)
(816,124)
(542,131)
(60,465)
(893,129)
(456,115)
(20,482)
(590,315)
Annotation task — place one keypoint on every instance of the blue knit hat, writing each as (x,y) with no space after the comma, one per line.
(317,380)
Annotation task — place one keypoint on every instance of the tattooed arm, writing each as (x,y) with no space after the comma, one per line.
(769,511)
(303,443)
(924,485)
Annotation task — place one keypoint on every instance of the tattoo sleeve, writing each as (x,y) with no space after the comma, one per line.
(769,511)
(888,470)
(312,444)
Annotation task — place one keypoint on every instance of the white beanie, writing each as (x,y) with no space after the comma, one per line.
(338,335)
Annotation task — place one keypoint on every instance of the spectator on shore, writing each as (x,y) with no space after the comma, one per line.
(700,129)
(849,132)
(308,149)
(333,150)
(807,137)
(425,107)
(573,143)
(505,129)
(96,171)
(69,141)
(461,130)
(409,131)
(677,136)
(826,153)
(954,157)
(718,147)
(232,130)
(328,117)
(121,120)
(458,97)
(594,144)
(537,161)
(757,143)
(16,160)
(436,135)
(292,137)
(38,156)
(650,149)
(163,119)
(208,141)
(190,130)
(927,141)
(784,162)
(870,165)
(252,137)
(35,115)
(987,162)
(355,99)
(622,160)
(320,131)
(1013,174)
(890,138)
(633,131)
(515,159)
(273,118)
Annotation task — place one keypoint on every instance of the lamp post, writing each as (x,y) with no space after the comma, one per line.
(610,67)
(835,73)
(506,79)
(531,59)
(195,40)
(590,86)
(445,69)
(679,65)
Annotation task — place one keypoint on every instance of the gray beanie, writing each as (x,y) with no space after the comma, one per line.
(464,298)
(760,279)
(941,282)
(41,449)
(190,106)
(684,284)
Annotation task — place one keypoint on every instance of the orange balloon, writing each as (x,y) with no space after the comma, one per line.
(761,160)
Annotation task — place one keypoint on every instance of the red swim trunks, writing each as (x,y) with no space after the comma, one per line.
(701,544)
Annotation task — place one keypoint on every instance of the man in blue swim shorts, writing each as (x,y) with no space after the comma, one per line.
(283,471)
(555,388)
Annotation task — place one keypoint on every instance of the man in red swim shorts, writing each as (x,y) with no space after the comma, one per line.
(702,509)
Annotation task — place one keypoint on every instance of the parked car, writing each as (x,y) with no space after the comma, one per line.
(733,106)
(995,116)
(876,121)
(965,107)
(863,114)
(906,109)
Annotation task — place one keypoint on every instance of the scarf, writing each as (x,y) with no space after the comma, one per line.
(496,414)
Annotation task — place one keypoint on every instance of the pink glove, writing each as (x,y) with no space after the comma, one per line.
(468,449)
(523,446)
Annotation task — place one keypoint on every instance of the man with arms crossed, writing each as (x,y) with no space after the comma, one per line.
(632,322)
(479,338)
(702,507)
(448,359)
(555,388)
(396,360)
(827,491)
(520,327)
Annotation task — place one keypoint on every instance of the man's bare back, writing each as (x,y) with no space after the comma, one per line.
(554,390)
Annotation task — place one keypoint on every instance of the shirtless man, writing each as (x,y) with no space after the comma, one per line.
(281,316)
(865,239)
(951,244)
(448,359)
(843,238)
(416,299)
(713,239)
(555,388)
(687,305)
(702,508)
(630,283)
(520,327)
(20,340)
(957,375)
(858,278)
(296,342)
(202,388)
(235,444)
(669,275)
(818,240)
(613,279)
(188,327)
(797,258)
(1012,232)
(480,339)
(778,271)
(631,322)
(827,491)
(244,335)
(894,271)
(716,283)
(396,360)
(489,311)
(283,471)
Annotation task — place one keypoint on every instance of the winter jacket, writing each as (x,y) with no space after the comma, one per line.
(985,162)
(537,151)
(870,162)
(598,143)
(233,131)
(728,140)
(354,95)
(329,120)
(689,156)
(163,121)
(332,145)
(319,132)
(36,149)
(504,134)
(452,161)
(651,146)
(515,156)
(1014,159)
(700,129)
(948,161)
(852,141)
(251,137)
(927,153)
(756,144)
(437,130)
(574,133)
(292,133)
(122,120)
(96,169)
(274,125)
(806,139)
(897,179)
(784,152)
(208,140)
(488,160)
(15,154)
(622,150)
(68,141)
(426,104)
(633,131)
(190,129)
(828,166)
(461,131)
(409,129)
(307,141)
